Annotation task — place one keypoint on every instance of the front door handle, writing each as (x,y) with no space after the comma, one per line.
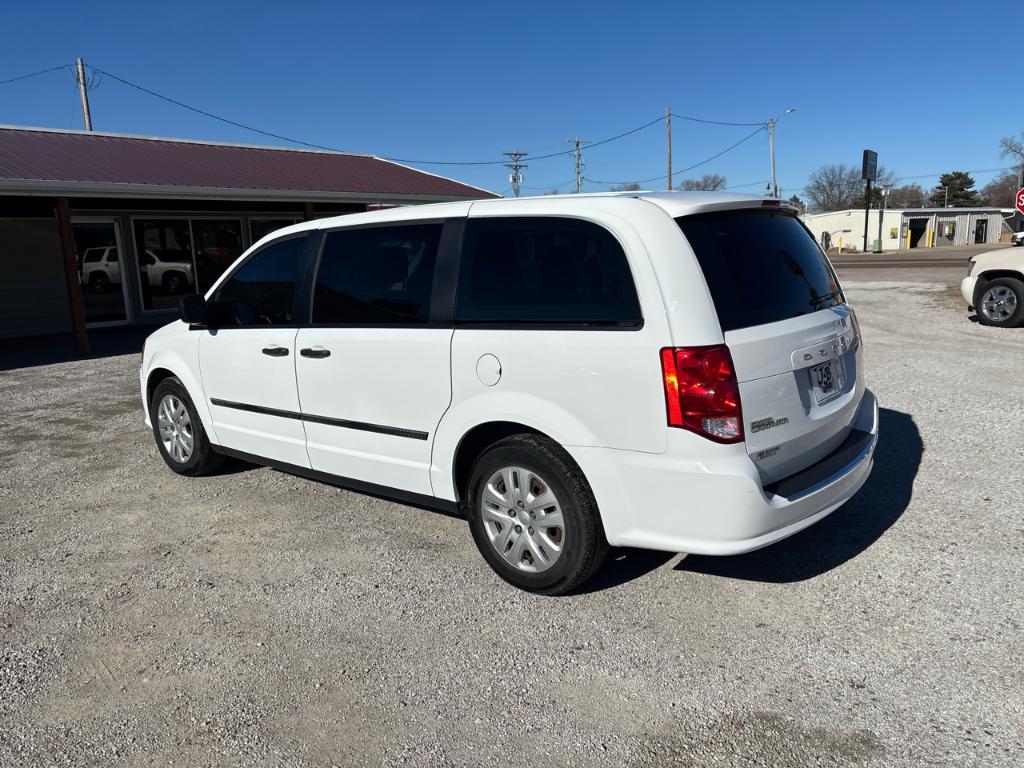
(275,351)
(315,352)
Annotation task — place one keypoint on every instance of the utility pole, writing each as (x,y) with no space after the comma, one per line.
(668,139)
(881,213)
(516,177)
(579,162)
(84,90)
(771,146)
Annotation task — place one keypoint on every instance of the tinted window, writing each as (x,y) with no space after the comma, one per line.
(760,266)
(544,271)
(262,290)
(376,276)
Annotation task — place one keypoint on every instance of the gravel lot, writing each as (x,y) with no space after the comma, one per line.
(254,618)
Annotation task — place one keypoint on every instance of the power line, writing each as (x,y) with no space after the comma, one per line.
(715,122)
(706,160)
(290,140)
(34,74)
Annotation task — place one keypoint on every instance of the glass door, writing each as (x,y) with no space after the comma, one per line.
(99,254)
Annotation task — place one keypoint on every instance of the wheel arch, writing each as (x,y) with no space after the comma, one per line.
(475,441)
(167,364)
(986,277)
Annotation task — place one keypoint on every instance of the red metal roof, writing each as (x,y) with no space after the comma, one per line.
(76,159)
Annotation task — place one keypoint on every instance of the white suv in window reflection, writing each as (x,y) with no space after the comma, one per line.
(167,269)
(100,268)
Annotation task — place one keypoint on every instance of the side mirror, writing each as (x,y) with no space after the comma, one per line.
(192,309)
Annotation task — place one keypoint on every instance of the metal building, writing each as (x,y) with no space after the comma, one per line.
(907,227)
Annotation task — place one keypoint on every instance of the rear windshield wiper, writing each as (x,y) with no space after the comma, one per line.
(818,299)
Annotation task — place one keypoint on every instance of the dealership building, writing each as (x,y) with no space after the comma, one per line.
(908,227)
(103,229)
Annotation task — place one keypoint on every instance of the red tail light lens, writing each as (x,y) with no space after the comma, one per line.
(702,393)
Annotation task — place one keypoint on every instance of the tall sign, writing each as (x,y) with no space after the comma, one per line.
(1019,201)
(868,172)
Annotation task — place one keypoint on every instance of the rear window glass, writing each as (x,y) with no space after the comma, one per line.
(760,266)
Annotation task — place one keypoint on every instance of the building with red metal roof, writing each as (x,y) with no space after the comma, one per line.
(100,229)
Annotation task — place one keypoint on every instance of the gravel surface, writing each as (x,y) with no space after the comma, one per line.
(253,618)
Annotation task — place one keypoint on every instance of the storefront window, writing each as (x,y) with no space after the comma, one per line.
(260,228)
(166,271)
(217,244)
(99,269)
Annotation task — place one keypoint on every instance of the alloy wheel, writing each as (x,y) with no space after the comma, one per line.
(175,428)
(523,519)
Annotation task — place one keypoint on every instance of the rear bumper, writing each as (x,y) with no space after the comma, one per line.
(720,507)
(967,289)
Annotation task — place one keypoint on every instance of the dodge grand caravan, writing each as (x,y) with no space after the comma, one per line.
(673,371)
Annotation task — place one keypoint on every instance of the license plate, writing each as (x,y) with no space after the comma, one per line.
(827,380)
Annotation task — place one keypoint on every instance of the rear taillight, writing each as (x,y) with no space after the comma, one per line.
(702,393)
(856,327)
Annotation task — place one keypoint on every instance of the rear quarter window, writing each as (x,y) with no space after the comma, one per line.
(545,271)
(761,266)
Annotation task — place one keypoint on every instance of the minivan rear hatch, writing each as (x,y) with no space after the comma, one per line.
(792,338)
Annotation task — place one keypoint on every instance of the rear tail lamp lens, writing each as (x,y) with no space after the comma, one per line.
(702,393)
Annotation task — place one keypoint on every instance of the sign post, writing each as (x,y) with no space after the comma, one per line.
(868,172)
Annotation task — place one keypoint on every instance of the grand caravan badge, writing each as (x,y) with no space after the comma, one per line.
(762,424)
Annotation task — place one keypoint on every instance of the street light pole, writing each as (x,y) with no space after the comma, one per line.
(771,147)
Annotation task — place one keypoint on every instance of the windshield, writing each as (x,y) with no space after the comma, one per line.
(760,265)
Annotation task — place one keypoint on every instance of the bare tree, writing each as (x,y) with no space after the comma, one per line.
(907,196)
(707,183)
(834,187)
(1011,147)
(631,186)
(1001,191)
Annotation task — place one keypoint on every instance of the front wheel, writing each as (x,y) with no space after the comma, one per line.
(533,516)
(1000,303)
(179,433)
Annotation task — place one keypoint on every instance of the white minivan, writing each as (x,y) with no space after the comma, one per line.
(674,371)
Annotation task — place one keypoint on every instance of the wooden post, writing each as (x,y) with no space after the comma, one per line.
(308,212)
(75,302)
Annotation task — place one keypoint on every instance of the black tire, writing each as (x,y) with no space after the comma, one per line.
(173,282)
(203,459)
(585,546)
(1013,320)
(99,282)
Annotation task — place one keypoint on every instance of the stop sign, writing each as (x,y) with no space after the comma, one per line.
(1020,200)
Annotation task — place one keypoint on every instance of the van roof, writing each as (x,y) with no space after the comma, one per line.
(673,203)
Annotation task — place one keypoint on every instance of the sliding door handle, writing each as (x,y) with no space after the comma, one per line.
(315,352)
(275,351)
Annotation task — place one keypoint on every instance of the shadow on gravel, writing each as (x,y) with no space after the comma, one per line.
(623,565)
(846,532)
(60,348)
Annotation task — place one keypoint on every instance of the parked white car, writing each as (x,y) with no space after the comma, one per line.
(101,268)
(675,371)
(994,287)
(1017,238)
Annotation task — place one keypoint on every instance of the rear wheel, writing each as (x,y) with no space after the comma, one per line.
(1000,303)
(533,516)
(179,433)
(99,282)
(174,282)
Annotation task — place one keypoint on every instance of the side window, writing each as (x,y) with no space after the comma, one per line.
(544,271)
(376,275)
(262,290)
(112,254)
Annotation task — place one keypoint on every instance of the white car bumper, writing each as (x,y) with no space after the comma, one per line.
(967,289)
(656,501)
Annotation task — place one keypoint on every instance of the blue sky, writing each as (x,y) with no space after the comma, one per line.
(931,86)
